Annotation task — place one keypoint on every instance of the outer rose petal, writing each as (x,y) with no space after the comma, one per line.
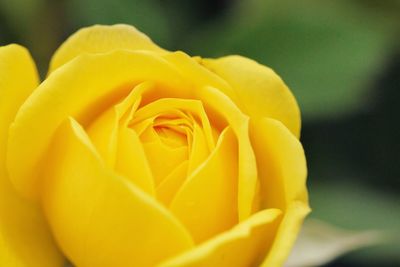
(282,171)
(101,219)
(281,164)
(101,39)
(243,245)
(287,233)
(259,90)
(24,237)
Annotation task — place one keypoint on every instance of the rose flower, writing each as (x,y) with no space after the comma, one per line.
(131,155)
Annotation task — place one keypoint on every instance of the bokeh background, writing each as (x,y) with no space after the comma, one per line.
(341,58)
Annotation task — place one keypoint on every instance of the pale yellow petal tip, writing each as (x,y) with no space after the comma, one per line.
(14,46)
(101,39)
(198,59)
(17,50)
(24,237)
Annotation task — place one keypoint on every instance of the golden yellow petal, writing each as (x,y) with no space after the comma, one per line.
(287,233)
(207,202)
(163,159)
(199,148)
(99,218)
(281,164)
(132,161)
(167,189)
(243,245)
(221,107)
(24,236)
(259,91)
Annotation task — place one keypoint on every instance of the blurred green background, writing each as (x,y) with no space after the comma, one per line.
(341,58)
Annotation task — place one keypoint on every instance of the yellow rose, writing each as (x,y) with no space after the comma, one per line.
(131,155)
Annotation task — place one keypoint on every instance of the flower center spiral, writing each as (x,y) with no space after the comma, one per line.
(176,137)
(170,149)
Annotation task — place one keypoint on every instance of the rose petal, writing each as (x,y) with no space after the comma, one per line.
(199,148)
(220,106)
(24,236)
(197,74)
(163,159)
(101,39)
(132,161)
(261,92)
(206,202)
(118,145)
(103,133)
(286,234)
(101,219)
(243,245)
(167,189)
(282,171)
(281,164)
